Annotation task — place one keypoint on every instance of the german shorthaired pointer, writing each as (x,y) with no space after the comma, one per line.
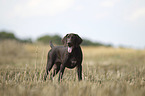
(70,56)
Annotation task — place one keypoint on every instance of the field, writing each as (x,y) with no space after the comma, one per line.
(106,72)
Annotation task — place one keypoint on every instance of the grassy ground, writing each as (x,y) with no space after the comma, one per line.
(106,72)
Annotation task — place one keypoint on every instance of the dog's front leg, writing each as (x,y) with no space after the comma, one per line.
(79,71)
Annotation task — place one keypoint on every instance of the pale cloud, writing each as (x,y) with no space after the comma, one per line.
(138,13)
(101,15)
(107,6)
(42,7)
(109,3)
(79,8)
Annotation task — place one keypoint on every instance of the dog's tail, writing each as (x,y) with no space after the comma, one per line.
(51,45)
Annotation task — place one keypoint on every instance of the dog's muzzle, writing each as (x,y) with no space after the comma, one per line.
(70,49)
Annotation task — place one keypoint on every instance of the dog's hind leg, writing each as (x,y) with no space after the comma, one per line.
(62,68)
(48,68)
(56,69)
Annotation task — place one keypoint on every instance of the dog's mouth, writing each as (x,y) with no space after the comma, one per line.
(70,49)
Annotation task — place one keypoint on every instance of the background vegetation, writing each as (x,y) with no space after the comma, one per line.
(106,72)
(46,38)
(10,36)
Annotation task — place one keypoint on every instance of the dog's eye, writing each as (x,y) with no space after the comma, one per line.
(73,37)
(68,36)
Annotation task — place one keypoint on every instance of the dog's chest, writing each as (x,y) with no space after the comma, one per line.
(72,62)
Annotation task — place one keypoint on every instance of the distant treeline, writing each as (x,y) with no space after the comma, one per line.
(45,39)
(10,36)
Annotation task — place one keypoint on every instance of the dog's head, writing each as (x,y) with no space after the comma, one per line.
(71,40)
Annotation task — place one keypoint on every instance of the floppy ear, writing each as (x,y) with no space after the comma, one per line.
(64,40)
(78,40)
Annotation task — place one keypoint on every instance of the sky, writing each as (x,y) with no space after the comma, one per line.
(117,22)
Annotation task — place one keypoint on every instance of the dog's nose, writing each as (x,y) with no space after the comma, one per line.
(69,44)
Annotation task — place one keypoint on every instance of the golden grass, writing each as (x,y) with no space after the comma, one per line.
(106,72)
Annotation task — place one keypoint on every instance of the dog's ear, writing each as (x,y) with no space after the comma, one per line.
(64,41)
(78,40)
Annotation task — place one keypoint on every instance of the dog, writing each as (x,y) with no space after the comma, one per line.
(67,56)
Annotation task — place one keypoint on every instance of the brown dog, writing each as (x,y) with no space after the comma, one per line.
(69,55)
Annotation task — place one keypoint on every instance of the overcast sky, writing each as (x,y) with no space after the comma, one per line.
(119,22)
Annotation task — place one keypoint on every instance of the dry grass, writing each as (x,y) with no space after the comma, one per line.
(106,72)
